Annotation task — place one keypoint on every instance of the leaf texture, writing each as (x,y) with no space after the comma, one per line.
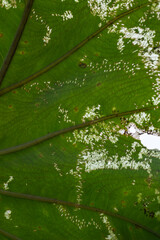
(80,90)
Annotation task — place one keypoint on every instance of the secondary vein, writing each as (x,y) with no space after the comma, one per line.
(70,129)
(76,205)
(16,40)
(69,53)
(8,235)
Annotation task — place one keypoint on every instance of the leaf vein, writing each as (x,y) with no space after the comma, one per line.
(76,205)
(72,51)
(16,40)
(70,129)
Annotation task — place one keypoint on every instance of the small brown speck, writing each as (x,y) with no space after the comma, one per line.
(1,35)
(76,109)
(41,155)
(99,84)
(82,65)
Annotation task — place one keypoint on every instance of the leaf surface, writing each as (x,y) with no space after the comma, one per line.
(79,94)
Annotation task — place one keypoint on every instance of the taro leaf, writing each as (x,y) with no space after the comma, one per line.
(79,88)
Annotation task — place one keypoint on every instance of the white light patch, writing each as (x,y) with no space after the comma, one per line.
(91,113)
(156,9)
(7,214)
(63,113)
(131,130)
(81,223)
(144,39)
(120,44)
(5,185)
(9,4)
(151,142)
(47,37)
(148,140)
(141,118)
(111,235)
(100,159)
(105,8)
(94,160)
(66,15)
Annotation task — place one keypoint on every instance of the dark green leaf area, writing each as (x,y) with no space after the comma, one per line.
(128,84)
(55,23)
(56,169)
(57,221)
(9,26)
(73,163)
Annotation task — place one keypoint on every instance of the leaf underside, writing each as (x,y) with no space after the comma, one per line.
(76,77)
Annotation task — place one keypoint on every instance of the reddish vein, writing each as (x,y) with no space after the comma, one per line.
(73,50)
(76,205)
(70,129)
(8,235)
(16,40)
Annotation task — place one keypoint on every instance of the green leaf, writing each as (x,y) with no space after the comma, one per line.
(79,93)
